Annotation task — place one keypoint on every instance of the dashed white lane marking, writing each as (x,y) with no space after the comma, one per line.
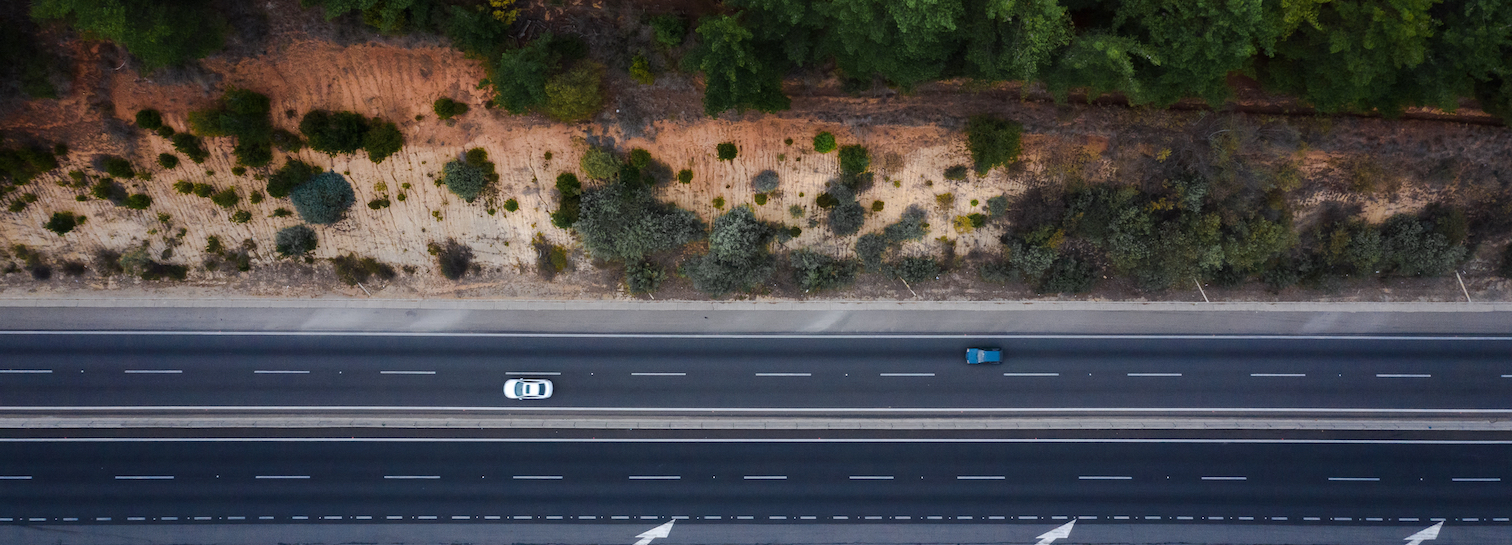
(154,371)
(283,476)
(538,477)
(15,477)
(1476,479)
(144,477)
(30,371)
(1355,479)
(871,477)
(655,477)
(1402,375)
(766,477)
(1293,375)
(784,374)
(550,373)
(1225,478)
(279,372)
(406,372)
(980,477)
(1031,374)
(1105,478)
(907,374)
(658,374)
(412,476)
(1154,374)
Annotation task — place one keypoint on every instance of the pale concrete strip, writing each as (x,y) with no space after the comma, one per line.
(759,423)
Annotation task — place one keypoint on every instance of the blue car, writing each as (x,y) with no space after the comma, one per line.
(991,356)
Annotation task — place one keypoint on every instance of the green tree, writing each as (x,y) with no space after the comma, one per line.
(734,76)
(1349,54)
(1194,45)
(159,33)
(290,175)
(520,76)
(627,224)
(388,16)
(245,115)
(334,132)
(576,94)
(993,142)
(737,259)
(381,140)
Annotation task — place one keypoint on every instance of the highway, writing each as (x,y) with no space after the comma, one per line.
(754,372)
(50,482)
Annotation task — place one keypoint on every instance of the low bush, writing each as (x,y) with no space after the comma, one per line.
(290,175)
(452,258)
(226,198)
(463,180)
(644,277)
(916,269)
(119,167)
(726,151)
(570,190)
(63,222)
(203,190)
(640,70)
(765,181)
(323,199)
(166,131)
(241,216)
(669,30)
(760,199)
(382,140)
(599,164)
(191,146)
(511,205)
(137,201)
(854,159)
(21,164)
(824,142)
(184,187)
(846,218)
(168,160)
(1504,265)
(244,115)
(107,189)
(993,142)
(287,141)
(627,224)
(576,94)
(815,272)
(333,132)
(1068,274)
(352,269)
(737,259)
(957,173)
(149,119)
(295,241)
(379,203)
(685,176)
(446,108)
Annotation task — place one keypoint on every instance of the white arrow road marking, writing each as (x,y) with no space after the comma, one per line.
(1063,532)
(659,531)
(1428,533)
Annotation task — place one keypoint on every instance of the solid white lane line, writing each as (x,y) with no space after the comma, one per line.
(980,477)
(531,373)
(784,374)
(1278,374)
(144,477)
(1154,374)
(1225,478)
(154,371)
(538,477)
(350,439)
(1477,479)
(1031,374)
(907,374)
(952,410)
(1105,478)
(406,372)
(1355,479)
(655,477)
(752,336)
(658,374)
(412,476)
(766,477)
(279,372)
(15,477)
(871,477)
(30,371)
(1402,375)
(283,476)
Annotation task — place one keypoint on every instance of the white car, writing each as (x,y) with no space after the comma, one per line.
(527,388)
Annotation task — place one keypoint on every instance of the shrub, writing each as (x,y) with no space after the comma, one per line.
(945,200)
(463,180)
(620,223)
(157,35)
(519,77)
(760,199)
(765,181)
(379,203)
(737,258)
(281,213)
(226,198)
(1504,265)
(1068,274)
(382,140)
(957,172)
(287,141)
(727,151)
(644,277)
(294,241)
(23,163)
(446,108)
(183,187)
(323,199)
(818,272)
(511,205)
(718,203)
(846,218)
(993,142)
(242,216)
(165,131)
(854,159)
(909,227)
(149,119)
(599,164)
(1410,247)
(168,160)
(640,158)
(575,95)
(916,269)
(63,222)
(138,201)
(977,220)
(997,206)
(824,142)
(255,198)
(452,259)
(333,132)
(108,190)
(191,146)
(245,115)
(640,70)
(571,191)
(825,200)
(119,167)
(877,206)
(290,175)
(685,176)
(669,29)
(352,270)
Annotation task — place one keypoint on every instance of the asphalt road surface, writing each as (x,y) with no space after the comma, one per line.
(751,481)
(644,372)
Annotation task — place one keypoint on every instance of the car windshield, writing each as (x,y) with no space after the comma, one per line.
(520,388)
